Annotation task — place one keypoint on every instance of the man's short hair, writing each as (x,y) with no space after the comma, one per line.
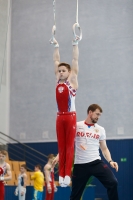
(66,65)
(50,156)
(93,107)
(38,166)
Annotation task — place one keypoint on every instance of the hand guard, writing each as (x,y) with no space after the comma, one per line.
(55,188)
(1,178)
(49,188)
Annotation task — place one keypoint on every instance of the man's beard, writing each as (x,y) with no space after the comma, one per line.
(94,120)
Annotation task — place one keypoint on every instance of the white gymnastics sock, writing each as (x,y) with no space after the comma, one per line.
(61,180)
(67,180)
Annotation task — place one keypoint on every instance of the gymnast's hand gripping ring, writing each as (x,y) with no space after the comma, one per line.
(76,38)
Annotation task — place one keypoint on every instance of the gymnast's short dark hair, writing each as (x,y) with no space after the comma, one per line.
(66,65)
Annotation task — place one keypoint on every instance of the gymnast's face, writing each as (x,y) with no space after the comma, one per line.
(51,160)
(2,157)
(63,72)
(22,169)
(94,116)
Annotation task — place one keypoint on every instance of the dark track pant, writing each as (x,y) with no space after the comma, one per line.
(97,168)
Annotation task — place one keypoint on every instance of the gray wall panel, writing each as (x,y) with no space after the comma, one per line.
(4,29)
(106,57)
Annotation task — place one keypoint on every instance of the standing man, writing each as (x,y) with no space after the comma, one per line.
(4,170)
(66,87)
(49,178)
(89,137)
(38,178)
(22,182)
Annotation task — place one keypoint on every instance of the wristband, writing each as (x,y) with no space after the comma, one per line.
(111,161)
(1,178)
(74,42)
(56,45)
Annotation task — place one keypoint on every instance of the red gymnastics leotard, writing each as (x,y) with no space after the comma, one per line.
(65,126)
(2,188)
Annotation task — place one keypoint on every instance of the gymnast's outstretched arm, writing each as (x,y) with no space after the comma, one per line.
(56,57)
(74,68)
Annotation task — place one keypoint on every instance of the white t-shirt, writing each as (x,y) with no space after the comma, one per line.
(87,142)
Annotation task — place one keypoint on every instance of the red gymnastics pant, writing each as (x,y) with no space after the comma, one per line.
(50,196)
(66,131)
(2,190)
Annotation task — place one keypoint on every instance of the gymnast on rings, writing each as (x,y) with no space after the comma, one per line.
(67,85)
(66,88)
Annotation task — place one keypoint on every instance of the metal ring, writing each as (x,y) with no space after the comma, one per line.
(76,37)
